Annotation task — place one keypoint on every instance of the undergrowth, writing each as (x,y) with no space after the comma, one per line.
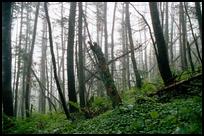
(139,114)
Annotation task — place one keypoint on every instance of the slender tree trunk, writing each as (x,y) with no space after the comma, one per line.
(167,28)
(137,75)
(42,100)
(28,77)
(54,64)
(162,58)
(63,49)
(6,59)
(182,31)
(199,17)
(70,59)
(124,59)
(19,63)
(194,37)
(82,88)
(112,40)
(105,31)
(25,61)
(189,57)
(171,43)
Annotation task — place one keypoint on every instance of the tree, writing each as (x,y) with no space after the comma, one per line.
(137,75)
(54,64)
(70,59)
(183,41)
(112,40)
(19,62)
(194,36)
(82,88)
(6,59)
(199,18)
(162,58)
(28,76)
(105,31)
(42,100)
(105,75)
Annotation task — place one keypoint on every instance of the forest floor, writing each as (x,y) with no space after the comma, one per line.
(139,114)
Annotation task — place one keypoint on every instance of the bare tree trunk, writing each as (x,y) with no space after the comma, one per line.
(106,76)
(194,37)
(42,100)
(124,60)
(6,60)
(19,63)
(54,65)
(162,58)
(171,41)
(70,59)
(199,17)
(189,57)
(137,75)
(25,61)
(112,40)
(82,88)
(28,76)
(167,28)
(182,30)
(105,31)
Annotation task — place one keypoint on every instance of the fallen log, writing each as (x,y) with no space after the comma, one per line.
(175,89)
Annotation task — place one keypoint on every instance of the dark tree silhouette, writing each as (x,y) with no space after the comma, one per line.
(162,58)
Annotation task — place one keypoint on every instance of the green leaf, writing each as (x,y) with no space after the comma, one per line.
(154,114)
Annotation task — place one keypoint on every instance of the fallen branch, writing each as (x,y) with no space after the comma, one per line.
(175,88)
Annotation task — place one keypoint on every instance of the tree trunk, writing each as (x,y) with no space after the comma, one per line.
(28,76)
(42,101)
(167,28)
(194,37)
(105,31)
(171,40)
(137,75)
(25,61)
(199,17)
(82,88)
(106,76)
(112,40)
(124,59)
(19,63)
(162,58)
(6,59)
(54,64)
(189,57)
(182,37)
(70,59)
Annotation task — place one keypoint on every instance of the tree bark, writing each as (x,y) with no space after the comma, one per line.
(194,37)
(112,40)
(54,64)
(105,31)
(70,59)
(82,88)
(106,76)
(137,75)
(6,59)
(42,101)
(199,17)
(162,58)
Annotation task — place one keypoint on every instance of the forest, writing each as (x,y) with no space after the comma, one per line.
(102,67)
